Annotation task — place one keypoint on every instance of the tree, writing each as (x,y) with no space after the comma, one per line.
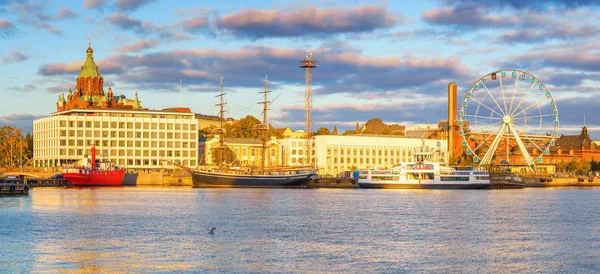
(323,131)
(244,128)
(349,132)
(14,148)
(29,140)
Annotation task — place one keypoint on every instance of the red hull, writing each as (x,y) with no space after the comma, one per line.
(91,177)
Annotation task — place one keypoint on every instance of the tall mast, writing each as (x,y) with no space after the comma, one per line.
(221,130)
(308,64)
(264,127)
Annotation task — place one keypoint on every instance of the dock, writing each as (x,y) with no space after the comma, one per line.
(46,182)
(333,182)
(506,182)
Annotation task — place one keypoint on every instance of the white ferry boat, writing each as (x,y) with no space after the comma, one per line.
(422,174)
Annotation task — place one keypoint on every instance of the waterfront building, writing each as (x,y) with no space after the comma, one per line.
(241,152)
(336,154)
(293,148)
(121,130)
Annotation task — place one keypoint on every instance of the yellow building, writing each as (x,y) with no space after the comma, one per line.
(243,152)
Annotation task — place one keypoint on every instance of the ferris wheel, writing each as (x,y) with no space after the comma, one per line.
(508,117)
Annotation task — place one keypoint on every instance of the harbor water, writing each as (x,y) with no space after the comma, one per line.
(147,230)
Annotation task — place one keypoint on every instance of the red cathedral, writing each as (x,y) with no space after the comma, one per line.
(89,91)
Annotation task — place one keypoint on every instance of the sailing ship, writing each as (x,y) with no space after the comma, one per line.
(263,177)
(423,174)
(94,174)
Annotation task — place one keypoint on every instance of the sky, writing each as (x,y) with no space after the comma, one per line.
(376,59)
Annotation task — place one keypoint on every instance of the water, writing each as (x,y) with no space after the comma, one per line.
(141,230)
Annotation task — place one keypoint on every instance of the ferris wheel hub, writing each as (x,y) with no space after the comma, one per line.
(507,119)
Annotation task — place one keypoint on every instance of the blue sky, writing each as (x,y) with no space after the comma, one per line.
(386,59)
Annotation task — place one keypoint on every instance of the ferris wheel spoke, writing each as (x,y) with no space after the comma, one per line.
(482,117)
(483,142)
(494,99)
(480,129)
(522,147)
(503,96)
(487,158)
(522,99)
(537,116)
(512,99)
(524,110)
(483,105)
(530,140)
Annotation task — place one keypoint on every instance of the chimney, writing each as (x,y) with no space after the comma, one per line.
(452,129)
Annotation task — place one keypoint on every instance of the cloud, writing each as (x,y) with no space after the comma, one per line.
(7,28)
(106,67)
(339,69)
(575,58)
(468,16)
(310,21)
(124,22)
(131,5)
(23,121)
(35,15)
(25,88)
(121,5)
(195,24)
(139,45)
(15,56)
(530,4)
(66,13)
(95,4)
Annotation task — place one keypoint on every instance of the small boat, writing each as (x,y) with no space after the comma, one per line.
(94,174)
(423,174)
(13,185)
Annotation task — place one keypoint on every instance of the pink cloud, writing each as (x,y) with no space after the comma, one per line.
(139,45)
(272,23)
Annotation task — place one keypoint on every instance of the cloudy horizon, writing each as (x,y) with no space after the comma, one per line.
(388,60)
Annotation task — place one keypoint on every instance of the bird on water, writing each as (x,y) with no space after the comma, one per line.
(212,230)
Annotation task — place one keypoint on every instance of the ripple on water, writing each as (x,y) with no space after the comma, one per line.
(300,230)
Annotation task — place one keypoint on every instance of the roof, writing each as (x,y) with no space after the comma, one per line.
(89,68)
(567,142)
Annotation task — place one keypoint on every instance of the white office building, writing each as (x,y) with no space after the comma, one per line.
(132,138)
(336,154)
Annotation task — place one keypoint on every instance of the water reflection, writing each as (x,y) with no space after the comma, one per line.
(302,230)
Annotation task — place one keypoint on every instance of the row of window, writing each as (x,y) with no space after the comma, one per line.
(126,125)
(132,115)
(117,143)
(128,134)
(79,153)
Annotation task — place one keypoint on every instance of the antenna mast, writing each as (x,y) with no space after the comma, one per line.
(308,64)
(264,127)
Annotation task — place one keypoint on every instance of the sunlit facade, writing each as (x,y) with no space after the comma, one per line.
(136,139)
(336,154)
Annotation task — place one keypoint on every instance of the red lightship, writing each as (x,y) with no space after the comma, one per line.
(103,174)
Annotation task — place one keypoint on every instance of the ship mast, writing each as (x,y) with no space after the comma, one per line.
(264,127)
(221,129)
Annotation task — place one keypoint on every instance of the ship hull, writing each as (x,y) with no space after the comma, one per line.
(425,186)
(82,177)
(213,179)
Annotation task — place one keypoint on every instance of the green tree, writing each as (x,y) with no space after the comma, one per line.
(244,128)
(29,140)
(323,131)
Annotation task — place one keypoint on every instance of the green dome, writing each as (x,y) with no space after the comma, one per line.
(89,68)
